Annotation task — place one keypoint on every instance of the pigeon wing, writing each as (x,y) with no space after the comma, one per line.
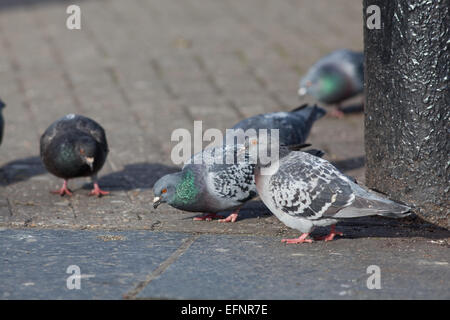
(309,187)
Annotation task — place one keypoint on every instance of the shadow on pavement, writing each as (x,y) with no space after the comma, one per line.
(354,108)
(363,227)
(21,170)
(141,175)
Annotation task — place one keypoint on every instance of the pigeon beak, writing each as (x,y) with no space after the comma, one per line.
(302,91)
(90,162)
(156,202)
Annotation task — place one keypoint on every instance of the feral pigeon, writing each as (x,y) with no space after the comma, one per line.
(74,146)
(220,185)
(294,126)
(304,191)
(2,122)
(207,183)
(335,78)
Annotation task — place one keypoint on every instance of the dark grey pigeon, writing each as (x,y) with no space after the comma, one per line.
(74,146)
(335,78)
(2,121)
(307,191)
(294,126)
(208,184)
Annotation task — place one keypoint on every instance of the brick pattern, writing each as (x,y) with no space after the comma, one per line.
(143,68)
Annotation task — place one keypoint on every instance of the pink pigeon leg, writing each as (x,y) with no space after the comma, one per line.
(208,217)
(232,217)
(64,190)
(300,239)
(97,191)
(336,112)
(331,235)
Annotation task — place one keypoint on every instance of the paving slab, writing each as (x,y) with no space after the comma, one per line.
(34,263)
(171,265)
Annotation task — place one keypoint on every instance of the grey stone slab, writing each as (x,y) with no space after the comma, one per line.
(232,267)
(33,263)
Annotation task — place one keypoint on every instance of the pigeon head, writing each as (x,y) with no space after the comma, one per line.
(86,148)
(177,189)
(321,82)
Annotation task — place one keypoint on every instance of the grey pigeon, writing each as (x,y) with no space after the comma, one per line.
(307,191)
(221,186)
(294,126)
(74,146)
(335,77)
(2,121)
(206,185)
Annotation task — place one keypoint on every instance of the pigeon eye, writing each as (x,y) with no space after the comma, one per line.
(82,151)
(163,190)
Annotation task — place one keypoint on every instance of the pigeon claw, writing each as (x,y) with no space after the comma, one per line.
(208,217)
(63,190)
(97,191)
(301,239)
(336,112)
(231,218)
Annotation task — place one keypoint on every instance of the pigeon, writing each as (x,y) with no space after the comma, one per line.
(220,185)
(304,191)
(335,78)
(294,126)
(2,122)
(74,146)
(207,183)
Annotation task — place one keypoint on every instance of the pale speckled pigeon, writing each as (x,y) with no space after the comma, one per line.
(74,146)
(308,191)
(215,187)
(335,78)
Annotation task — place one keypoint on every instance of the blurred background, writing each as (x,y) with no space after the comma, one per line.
(143,68)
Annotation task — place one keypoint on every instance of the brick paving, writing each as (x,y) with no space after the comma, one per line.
(143,69)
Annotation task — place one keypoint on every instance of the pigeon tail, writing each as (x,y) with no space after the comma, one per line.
(397,211)
(311,113)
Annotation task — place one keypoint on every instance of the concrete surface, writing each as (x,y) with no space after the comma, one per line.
(142,69)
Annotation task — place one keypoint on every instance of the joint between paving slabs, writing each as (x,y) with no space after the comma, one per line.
(162,267)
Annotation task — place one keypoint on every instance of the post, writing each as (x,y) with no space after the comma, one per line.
(407,107)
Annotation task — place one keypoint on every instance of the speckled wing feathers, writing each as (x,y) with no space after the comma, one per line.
(312,190)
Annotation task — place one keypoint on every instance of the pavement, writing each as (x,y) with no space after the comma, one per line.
(143,69)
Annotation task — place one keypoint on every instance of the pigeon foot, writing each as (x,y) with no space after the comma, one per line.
(231,218)
(301,239)
(208,217)
(64,190)
(97,191)
(331,235)
(336,112)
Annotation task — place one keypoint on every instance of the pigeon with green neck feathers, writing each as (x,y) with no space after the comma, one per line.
(206,184)
(74,146)
(335,78)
